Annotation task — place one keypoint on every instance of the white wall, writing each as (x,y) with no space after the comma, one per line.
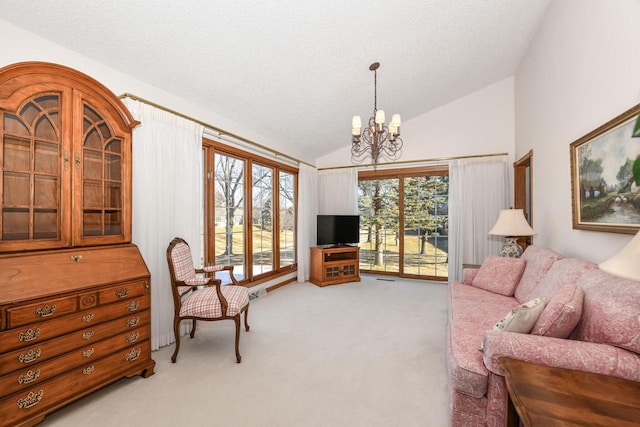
(479,123)
(581,70)
(19,45)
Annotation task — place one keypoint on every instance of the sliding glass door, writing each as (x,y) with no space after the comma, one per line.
(379,243)
(426,225)
(404,222)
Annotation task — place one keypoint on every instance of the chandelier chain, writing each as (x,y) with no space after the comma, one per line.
(375,92)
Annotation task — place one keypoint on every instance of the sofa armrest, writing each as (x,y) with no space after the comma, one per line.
(563,353)
(468,273)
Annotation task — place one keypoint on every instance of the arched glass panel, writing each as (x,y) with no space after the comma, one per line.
(31,170)
(101,177)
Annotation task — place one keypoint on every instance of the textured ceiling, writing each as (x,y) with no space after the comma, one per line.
(296,71)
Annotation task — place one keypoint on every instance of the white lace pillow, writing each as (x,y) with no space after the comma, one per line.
(522,318)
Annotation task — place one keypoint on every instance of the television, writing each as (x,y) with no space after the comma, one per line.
(338,230)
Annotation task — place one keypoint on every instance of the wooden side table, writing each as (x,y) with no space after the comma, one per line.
(546,396)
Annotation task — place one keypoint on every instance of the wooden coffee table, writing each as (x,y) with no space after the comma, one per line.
(542,395)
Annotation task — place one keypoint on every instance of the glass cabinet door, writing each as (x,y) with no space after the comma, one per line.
(31,177)
(103,181)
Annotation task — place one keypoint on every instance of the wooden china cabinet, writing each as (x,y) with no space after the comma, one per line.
(74,291)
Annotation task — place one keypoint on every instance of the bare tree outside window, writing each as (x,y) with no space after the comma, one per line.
(229,210)
(250,213)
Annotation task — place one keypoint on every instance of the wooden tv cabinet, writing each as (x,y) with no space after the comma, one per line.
(334,265)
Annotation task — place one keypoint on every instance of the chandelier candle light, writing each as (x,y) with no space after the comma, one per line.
(376,139)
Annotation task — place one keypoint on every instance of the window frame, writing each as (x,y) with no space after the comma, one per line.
(400,174)
(210,149)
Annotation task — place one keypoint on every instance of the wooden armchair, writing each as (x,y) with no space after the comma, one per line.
(203,298)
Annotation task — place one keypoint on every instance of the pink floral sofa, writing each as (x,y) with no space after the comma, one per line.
(568,313)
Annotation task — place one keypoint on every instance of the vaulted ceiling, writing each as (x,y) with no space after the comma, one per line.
(296,71)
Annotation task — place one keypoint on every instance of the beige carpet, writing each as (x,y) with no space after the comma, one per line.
(359,354)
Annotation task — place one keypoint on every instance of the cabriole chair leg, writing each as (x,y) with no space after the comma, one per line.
(176,326)
(236,319)
(193,328)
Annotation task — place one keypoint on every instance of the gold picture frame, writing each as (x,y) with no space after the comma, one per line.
(603,194)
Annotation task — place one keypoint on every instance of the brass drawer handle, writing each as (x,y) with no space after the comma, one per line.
(88,335)
(88,318)
(122,293)
(30,356)
(133,337)
(32,399)
(133,321)
(29,377)
(88,353)
(29,334)
(88,370)
(133,306)
(76,258)
(46,310)
(133,355)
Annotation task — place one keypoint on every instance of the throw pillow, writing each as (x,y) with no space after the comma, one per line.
(562,313)
(522,318)
(499,275)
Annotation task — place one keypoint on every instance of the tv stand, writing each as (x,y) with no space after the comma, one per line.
(334,265)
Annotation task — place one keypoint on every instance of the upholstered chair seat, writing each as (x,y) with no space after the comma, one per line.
(206,304)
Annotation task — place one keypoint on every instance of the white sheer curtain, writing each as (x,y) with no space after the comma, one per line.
(478,189)
(307,211)
(167,201)
(338,192)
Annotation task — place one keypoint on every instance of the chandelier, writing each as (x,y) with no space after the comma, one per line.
(377,138)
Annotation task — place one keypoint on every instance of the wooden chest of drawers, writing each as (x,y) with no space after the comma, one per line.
(71,321)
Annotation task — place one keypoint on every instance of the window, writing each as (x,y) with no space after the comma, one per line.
(229,213)
(404,222)
(262,219)
(258,236)
(287,232)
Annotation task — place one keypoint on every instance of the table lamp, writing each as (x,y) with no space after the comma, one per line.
(625,263)
(511,224)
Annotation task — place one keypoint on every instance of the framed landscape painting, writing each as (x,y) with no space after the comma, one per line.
(604,194)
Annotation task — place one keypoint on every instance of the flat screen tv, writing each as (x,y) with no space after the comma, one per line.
(338,230)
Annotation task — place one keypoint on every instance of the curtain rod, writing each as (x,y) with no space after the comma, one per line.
(433,159)
(221,132)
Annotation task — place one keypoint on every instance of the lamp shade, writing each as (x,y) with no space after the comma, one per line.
(512,222)
(625,263)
